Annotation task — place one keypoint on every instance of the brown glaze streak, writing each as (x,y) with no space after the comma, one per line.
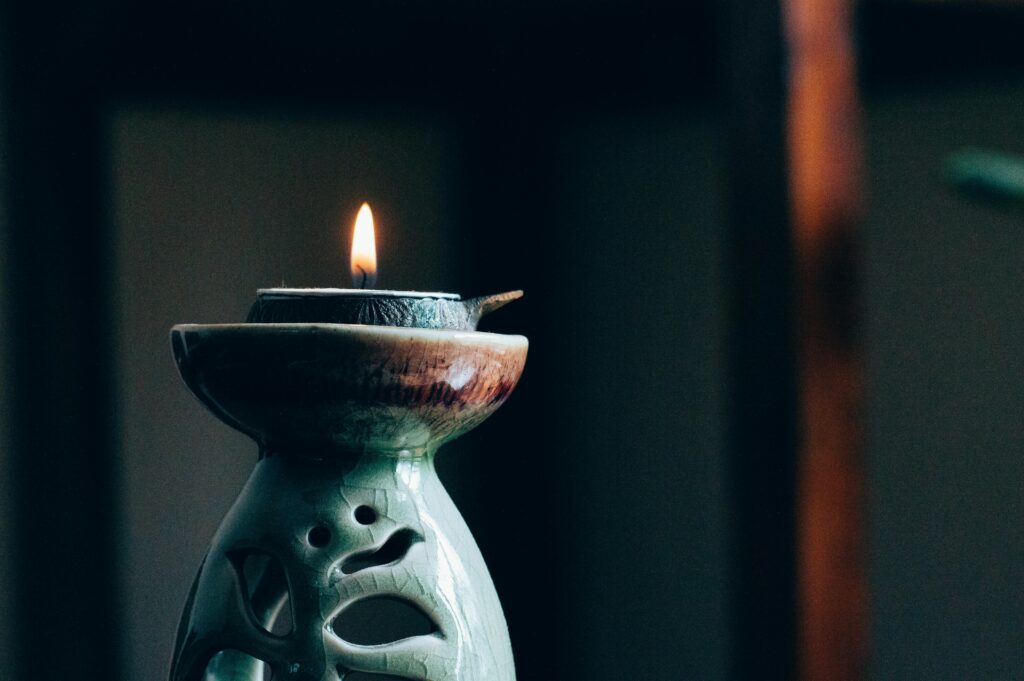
(443,394)
(477,392)
(341,386)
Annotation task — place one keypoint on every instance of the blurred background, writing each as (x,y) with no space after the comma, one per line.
(770,424)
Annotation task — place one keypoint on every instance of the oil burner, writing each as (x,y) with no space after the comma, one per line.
(348,395)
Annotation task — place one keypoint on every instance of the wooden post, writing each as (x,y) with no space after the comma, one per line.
(825,167)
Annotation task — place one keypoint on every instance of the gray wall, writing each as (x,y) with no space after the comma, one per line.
(945,437)
(641,284)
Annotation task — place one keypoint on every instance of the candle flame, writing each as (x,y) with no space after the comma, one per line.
(364,250)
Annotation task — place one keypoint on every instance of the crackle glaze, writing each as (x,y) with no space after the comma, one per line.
(347,418)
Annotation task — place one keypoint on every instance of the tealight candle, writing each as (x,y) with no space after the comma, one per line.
(418,309)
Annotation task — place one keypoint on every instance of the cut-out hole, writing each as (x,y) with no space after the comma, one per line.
(281,623)
(319,537)
(394,549)
(369,676)
(266,591)
(234,664)
(365,515)
(381,619)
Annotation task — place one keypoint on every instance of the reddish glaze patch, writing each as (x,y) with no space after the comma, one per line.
(348,386)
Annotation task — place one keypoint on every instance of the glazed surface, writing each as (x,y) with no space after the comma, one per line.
(313,388)
(437,570)
(344,506)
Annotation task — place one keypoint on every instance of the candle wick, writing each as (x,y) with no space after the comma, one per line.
(362,284)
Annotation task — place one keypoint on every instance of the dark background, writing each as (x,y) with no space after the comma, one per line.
(161,164)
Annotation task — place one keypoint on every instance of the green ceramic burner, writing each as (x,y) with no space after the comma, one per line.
(344,506)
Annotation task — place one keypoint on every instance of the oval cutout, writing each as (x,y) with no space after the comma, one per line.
(365,515)
(319,537)
(382,619)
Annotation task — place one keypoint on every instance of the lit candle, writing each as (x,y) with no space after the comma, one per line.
(366,305)
(364,250)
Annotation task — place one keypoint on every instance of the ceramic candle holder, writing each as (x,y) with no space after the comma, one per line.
(344,506)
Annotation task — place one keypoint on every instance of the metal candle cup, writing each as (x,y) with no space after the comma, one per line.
(378,308)
(348,394)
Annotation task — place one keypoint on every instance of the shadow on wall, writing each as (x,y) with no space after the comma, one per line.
(946,372)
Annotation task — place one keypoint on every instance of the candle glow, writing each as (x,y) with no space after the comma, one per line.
(364,250)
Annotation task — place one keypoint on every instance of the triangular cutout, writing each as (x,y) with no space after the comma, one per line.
(231,665)
(265,586)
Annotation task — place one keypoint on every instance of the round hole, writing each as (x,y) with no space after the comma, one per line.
(365,515)
(319,537)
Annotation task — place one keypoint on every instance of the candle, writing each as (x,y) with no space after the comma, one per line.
(363,305)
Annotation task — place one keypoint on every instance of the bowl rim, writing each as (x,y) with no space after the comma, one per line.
(363,330)
(283,292)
